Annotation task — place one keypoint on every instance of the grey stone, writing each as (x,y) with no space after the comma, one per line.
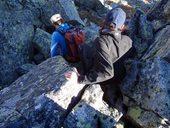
(92,111)
(145,119)
(147,84)
(38,58)
(25,69)
(140,45)
(13,117)
(129,5)
(93,10)
(161,10)
(91,32)
(91,16)
(161,45)
(65,7)
(140,27)
(94,5)
(13,5)
(141,31)
(16,43)
(39,98)
(42,41)
(145,28)
(158,24)
(44,9)
(25,16)
(18,19)
(82,116)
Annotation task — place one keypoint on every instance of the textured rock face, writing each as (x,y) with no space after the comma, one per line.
(160,11)
(92,10)
(18,19)
(25,69)
(160,15)
(140,26)
(38,58)
(148,85)
(92,111)
(26,102)
(129,6)
(16,43)
(161,45)
(41,97)
(64,7)
(141,31)
(91,33)
(145,119)
(94,5)
(42,42)
(44,8)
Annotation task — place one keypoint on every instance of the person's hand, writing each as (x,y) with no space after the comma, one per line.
(72,76)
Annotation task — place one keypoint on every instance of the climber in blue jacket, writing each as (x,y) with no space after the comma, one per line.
(58,43)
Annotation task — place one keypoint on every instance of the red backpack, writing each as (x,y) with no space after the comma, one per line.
(75,40)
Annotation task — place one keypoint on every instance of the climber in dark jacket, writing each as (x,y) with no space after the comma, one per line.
(58,43)
(110,47)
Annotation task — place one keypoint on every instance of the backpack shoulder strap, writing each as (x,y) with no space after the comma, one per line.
(61,32)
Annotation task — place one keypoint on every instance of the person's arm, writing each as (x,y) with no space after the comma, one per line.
(102,69)
(54,45)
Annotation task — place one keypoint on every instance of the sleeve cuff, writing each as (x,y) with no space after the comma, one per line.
(80,79)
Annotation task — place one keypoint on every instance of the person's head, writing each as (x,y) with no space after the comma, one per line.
(56,20)
(115,19)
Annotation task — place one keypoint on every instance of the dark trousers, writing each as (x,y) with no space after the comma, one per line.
(112,88)
(112,91)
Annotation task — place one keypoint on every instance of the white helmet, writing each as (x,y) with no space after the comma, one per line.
(55,18)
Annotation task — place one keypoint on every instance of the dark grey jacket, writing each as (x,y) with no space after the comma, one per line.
(108,49)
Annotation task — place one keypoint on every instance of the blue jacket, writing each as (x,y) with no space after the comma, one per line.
(58,43)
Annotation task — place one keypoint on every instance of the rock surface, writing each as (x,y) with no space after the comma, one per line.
(147,83)
(42,41)
(91,10)
(159,15)
(92,111)
(161,45)
(38,58)
(44,9)
(129,6)
(18,20)
(64,7)
(146,119)
(16,43)
(25,69)
(91,33)
(27,102)
(94,5)
(40,99)
(160,10)
(141,31)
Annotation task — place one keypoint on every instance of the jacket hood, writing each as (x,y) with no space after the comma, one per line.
(63,27)
(115,34)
